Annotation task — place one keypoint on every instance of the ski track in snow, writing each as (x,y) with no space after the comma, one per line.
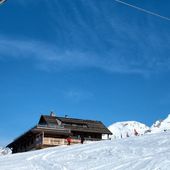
(149,152)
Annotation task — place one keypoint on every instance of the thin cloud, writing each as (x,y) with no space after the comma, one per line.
(92,34)
(114,44)
(77,95)
(49,57)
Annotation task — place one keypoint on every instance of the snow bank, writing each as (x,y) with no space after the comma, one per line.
(148,152)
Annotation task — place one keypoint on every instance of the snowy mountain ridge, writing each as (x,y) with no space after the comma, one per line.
(134,128)
(127,129)
(161,125)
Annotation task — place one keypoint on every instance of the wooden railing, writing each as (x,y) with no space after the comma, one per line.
(58,141)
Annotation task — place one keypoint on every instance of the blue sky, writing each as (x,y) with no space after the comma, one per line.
(89,59)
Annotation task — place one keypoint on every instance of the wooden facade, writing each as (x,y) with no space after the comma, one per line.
(53,131)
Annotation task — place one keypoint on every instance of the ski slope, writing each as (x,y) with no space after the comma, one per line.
(148,152)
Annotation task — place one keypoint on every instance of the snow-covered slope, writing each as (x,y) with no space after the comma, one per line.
(148,152)
(161,125)
(127,128)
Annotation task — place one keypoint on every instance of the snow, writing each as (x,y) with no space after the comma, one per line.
(126,129)
(147,152)
(161,125)
(5,151)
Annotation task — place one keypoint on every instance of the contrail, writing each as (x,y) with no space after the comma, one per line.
(2,1)
(143,10)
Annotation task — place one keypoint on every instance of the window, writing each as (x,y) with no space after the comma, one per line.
(53,125)
(75,124)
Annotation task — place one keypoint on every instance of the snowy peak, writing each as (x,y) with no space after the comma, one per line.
(134,128)
(127,129)
(161,125)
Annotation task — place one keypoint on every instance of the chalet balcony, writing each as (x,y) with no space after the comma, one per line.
(58,141)
(48,141)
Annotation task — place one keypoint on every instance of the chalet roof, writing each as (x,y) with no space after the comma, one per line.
(63,126)
(78,124)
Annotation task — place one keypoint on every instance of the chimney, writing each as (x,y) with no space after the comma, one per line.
(52,114)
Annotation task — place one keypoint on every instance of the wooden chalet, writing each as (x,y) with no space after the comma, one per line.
(53,131)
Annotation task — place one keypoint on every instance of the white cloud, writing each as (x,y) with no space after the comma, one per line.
(48,56)
(105,40)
